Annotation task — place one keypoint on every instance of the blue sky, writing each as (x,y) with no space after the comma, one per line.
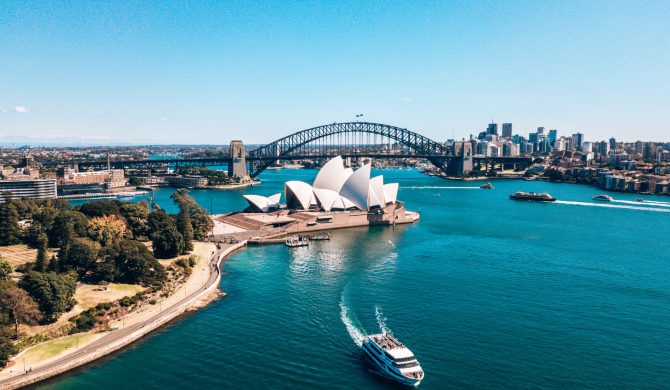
(211,72)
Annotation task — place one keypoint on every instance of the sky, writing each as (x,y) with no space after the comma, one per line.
(209,72)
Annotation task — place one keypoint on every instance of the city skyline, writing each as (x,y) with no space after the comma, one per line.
(204,74)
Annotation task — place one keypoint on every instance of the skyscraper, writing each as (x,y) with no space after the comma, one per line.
(492,129)
(612,143)
(577,140)
(553,134)
(507,130)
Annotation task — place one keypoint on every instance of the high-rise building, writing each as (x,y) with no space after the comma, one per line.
(492,129)
(612,143)
(577,140)
(540,130)
(532,138)
(553,134)
(507,130)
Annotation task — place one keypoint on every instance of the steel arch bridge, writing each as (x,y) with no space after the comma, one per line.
(292,146)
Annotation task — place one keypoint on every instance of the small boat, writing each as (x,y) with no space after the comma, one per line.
(394,359)
(320,237)
(532,196)
(125,196)
(603,198)
(486,186)
(296,241)
(639,200)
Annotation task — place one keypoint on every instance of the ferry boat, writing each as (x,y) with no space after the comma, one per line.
(532,196)
(603,197)
(296,241)
(394,359)
(486,186)
(125,196)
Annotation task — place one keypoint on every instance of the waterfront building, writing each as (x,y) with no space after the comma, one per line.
(187,181)
(113,178)
(507,130)
(334,188)
(36,188)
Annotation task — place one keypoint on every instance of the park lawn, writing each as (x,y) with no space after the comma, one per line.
(53,348)
(20,254)
(88,295)
(200,250)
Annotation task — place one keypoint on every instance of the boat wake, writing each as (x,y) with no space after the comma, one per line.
(439,187)
(381,320)
(645,203)
(351,323)
(613,206)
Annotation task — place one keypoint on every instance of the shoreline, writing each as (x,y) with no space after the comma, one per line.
(114,340)
(230,186)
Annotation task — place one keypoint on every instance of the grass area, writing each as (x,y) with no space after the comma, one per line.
(53,348)
(89,295)
(20,254)
(200,249)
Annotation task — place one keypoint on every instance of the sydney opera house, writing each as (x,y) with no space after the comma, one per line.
(339,197)
(335,188)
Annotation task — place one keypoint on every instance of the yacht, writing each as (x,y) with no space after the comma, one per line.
(532,196)
(486,186)
(603,197)
(394,359)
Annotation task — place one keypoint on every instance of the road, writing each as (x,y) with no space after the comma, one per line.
(83,355)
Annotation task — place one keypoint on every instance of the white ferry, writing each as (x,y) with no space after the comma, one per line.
(393,358)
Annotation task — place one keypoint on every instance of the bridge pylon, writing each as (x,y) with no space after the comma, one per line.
(237,167)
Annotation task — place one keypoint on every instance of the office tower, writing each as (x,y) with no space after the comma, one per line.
(540,130)
(492,129)
(507,130)
(553,134)
(577,140)
(612,143)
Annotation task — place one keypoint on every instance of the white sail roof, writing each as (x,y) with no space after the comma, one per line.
(299,195)
(357,187)
(263,203)
(332,175)
(391,192)
(326,198)
(377,191)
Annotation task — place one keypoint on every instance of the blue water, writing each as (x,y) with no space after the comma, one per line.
(487,292)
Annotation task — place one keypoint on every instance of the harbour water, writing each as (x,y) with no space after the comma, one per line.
(487,292)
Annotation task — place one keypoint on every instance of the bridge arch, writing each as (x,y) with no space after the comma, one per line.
(264,156)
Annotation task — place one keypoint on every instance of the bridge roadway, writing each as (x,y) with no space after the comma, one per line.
(224,161)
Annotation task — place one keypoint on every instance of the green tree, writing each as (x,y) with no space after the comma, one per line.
(167,242)
(9,224)
(20,306)
(66,225)
(5,270)
(133,262)
(7,350)
(137,215)
(54,293)
(184,227)
(80,256)
(200,221)
(101,208)
(41,260)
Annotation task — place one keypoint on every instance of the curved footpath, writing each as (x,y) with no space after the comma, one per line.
(119,338)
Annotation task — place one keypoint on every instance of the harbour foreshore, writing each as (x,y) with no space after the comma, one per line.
(119,338)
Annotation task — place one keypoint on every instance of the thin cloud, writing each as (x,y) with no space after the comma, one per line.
(405,99)
(164,119)
(2,109)
(21,109)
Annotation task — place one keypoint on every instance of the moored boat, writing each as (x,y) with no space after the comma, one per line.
(532,196)
(603,198)
(394,359)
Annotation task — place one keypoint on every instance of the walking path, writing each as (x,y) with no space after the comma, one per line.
(119,338)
